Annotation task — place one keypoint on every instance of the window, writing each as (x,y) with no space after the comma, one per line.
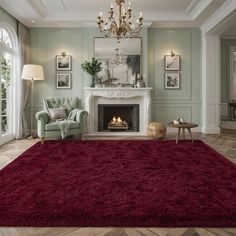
(7,83)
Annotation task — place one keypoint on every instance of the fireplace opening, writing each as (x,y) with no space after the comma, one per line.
(118,117)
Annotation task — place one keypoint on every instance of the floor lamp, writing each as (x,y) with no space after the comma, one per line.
(32,72)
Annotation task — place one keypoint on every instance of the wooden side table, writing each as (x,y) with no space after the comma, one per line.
(183,126)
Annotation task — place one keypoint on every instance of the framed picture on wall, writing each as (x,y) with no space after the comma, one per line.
(172,81)
(63,81)
(63,62)
(172,62)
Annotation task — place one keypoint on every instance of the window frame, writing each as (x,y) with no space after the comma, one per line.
(13,92)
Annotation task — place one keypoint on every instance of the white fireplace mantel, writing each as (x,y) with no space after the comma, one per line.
(117,95)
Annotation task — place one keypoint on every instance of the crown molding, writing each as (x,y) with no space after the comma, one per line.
(14,7)
(199,8)
(191,6)
(37,11)
(92,16)
(11,8)
(218,18)
(39,7)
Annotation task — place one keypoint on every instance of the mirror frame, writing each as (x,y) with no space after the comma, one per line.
(131,77)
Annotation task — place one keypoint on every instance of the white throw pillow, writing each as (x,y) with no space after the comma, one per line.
(57,113)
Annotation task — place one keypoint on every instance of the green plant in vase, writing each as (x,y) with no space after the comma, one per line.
(92,68)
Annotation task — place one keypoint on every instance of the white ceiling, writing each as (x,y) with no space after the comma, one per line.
(79,13)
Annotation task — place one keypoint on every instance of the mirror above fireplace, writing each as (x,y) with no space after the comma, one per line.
(121,60)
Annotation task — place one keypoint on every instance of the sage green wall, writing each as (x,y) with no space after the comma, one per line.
(167,105)
(46,43)
(225,68)
(6,17)
(185,102)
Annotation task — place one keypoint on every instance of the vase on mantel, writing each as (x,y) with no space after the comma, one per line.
(92,85)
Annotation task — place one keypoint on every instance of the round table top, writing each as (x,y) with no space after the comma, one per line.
(183,125)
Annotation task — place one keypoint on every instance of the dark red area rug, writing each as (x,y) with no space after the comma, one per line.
(119,183)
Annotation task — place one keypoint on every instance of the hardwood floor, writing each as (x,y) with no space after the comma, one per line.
(225,144)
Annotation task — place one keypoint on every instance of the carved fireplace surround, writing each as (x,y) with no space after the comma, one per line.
(96,96)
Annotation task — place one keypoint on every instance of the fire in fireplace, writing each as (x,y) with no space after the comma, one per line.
(117,124)
(118,117)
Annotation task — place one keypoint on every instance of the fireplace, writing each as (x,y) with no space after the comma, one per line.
(122,97)
(118,117)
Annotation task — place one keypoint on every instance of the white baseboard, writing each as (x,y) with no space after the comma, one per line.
(210,130)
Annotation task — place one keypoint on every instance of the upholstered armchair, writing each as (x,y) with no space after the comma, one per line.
(48,124)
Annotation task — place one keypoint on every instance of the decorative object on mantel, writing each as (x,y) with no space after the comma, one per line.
(172,62)
(63,62)
(139,82)
(156,130)
(92,68)
(120,25)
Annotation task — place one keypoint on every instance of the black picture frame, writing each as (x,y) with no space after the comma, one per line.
(63,81)
(172,63)
(172,81)
(63,63)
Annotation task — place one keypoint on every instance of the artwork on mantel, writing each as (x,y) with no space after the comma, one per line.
(172,81)
(172,63)
(63,81)
(63,63)
(121,60)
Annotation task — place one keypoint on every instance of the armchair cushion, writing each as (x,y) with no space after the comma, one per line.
(57,113)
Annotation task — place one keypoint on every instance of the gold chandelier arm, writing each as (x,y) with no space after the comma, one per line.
(121,26)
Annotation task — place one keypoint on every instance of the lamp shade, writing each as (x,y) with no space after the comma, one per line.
(32,72)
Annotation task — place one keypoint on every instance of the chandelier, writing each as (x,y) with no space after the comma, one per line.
(120,25)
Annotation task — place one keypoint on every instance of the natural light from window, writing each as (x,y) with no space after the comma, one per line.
(7,53)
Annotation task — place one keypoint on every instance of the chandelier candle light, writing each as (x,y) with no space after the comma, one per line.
(120,26)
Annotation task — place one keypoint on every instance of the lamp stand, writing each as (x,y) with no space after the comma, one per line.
(31,110)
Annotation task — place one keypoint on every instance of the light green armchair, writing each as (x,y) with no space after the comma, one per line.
(47,127)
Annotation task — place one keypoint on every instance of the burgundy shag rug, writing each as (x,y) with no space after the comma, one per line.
(119,183)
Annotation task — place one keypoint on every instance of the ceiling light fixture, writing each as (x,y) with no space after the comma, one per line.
(121,24)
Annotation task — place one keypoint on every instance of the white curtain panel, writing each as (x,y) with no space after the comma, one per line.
(22,129)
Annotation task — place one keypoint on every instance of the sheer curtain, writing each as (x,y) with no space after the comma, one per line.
(22,129)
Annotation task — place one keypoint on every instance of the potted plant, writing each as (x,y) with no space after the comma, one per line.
(92,68)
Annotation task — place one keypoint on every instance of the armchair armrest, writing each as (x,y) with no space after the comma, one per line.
(42,118)
(81,116)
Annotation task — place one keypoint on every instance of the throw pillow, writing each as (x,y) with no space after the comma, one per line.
(57,113)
